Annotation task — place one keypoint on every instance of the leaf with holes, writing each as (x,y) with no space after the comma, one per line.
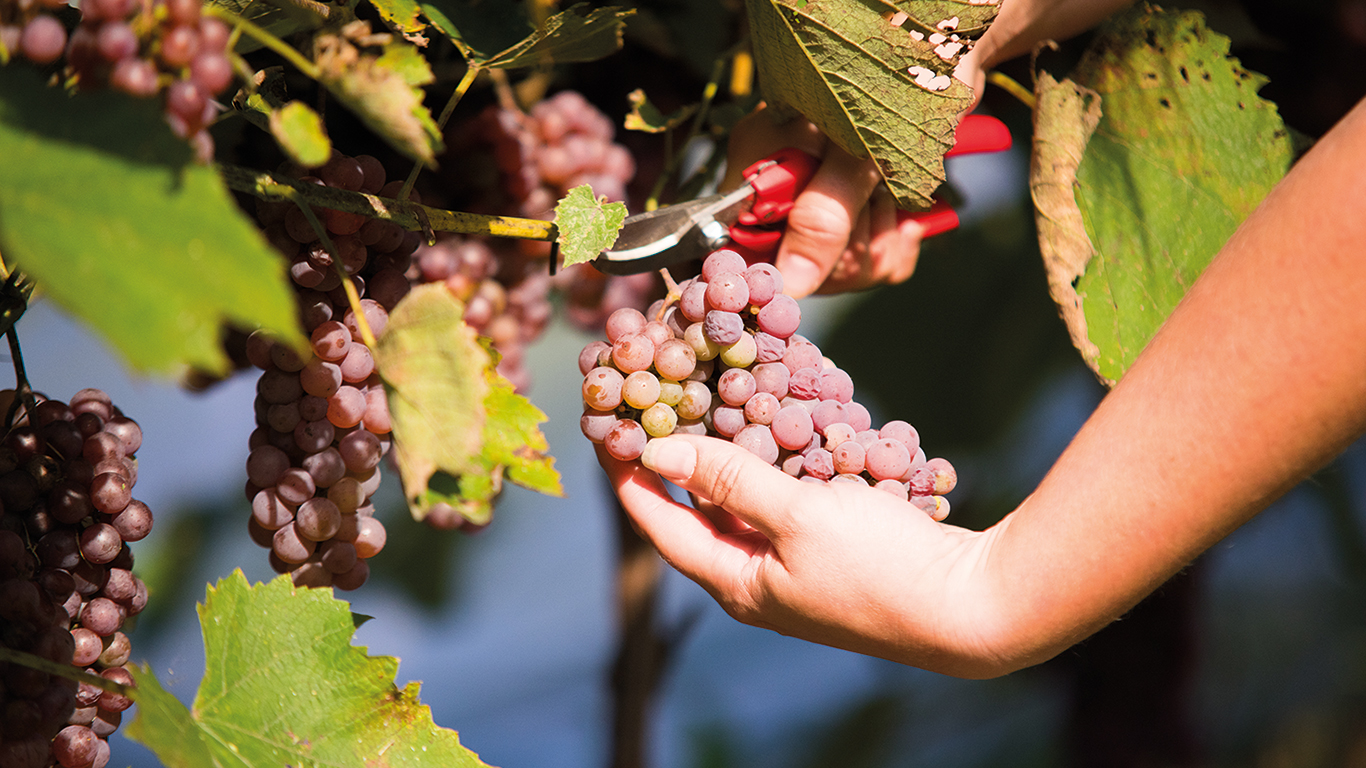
(587,226)
(284,686)
(875,76)
(1183,152)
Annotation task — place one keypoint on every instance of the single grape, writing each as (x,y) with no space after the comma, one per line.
(625,441)
(659,420)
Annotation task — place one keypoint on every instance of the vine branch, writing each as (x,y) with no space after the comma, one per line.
(407,215)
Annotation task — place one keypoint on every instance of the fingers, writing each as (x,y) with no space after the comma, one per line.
(686,538)
(722,473)
(884,251)
(823,219)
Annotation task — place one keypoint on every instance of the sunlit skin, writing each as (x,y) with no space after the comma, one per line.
(1256,380)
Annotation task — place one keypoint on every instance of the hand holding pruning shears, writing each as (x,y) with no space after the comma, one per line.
(822,220)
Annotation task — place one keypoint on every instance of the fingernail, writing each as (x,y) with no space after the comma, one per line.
(674,459)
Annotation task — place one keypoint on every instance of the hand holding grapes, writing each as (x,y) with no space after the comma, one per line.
(836,564)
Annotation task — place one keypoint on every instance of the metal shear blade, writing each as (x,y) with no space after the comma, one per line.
(673,234)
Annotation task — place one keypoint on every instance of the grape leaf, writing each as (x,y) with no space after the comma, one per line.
(106,209)
(281,18)
(587,226)
(1184,151)
(875,76)
(513,438)
(433,368)
(402,16)
(284,686)
(646,117)
(383,92)
(479,26)
(299,132)
(580,33)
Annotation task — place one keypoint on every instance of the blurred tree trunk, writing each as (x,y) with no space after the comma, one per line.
(1132,682)
(641,652)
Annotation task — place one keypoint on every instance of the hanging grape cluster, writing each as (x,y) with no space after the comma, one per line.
(726,360)
(322,418)
(564,141)
(165,48)
(67,473)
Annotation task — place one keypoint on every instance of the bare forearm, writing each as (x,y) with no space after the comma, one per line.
(1256,380)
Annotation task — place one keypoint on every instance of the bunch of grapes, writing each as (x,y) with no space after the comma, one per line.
(141,48)
(322,417)
(726,360)
(562,143)
(67,472)
(506,300)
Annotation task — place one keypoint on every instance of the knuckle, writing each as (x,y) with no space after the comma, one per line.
(727,478)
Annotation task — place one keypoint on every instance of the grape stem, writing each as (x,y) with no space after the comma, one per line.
(1011,86)
(673,295)
(65,670)
(352,296)
(471,72)
(14,296)
(269,186)
(270,41)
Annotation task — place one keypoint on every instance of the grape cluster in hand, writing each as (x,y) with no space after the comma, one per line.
(67,472)
(725,360)
(323,418)
(165,48)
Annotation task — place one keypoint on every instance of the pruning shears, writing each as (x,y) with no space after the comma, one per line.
(750,219)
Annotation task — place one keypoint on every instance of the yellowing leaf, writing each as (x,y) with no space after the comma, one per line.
(877,83)
(299,132)
(383,92)
(587,226)
(647,118)
(433,368)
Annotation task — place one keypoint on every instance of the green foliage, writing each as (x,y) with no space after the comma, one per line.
(578,34)
(587,226)
(433,368)
(280,18)
(284,686)
(107,210)
(383,91)
(300,133)
(843,65)
(646,117)
(1183,152)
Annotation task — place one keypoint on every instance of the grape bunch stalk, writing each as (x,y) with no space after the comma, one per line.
(146,49)
(726,360)
(67,472)
(322,417)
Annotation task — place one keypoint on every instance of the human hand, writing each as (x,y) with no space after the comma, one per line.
(842,233)
(842,565)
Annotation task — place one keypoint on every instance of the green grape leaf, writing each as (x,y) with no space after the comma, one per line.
(107,210)
(646,117)
(1184,151)
(268,94)
(433,369)
(580,33)
(404,16)
(281,18)
(513,438)
(587,226)
(875,76)
(284,686)
(383,91)
(300,133)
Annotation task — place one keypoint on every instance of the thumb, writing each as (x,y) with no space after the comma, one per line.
(731,477)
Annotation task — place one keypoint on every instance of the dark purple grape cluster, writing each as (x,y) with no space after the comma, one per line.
(67,472)
(323,418)
(506,298)
(144,49)
(725,360)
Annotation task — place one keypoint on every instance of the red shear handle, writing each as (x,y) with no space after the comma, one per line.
(780,177)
